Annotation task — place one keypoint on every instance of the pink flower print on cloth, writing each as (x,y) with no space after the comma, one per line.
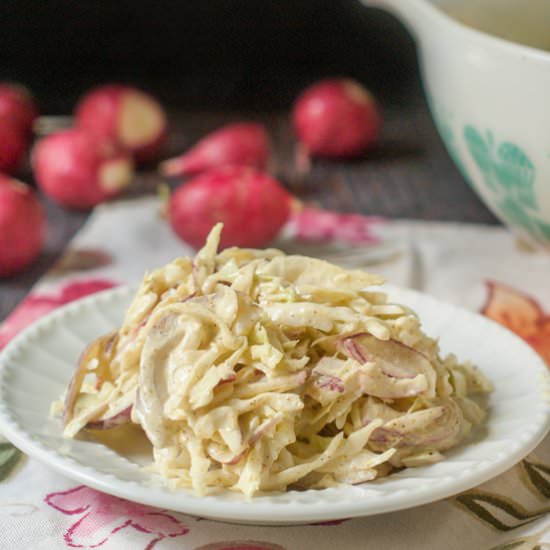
(313,224)
(35,305)
(101,516)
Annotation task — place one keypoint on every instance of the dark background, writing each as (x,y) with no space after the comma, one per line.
(215,61)
(201,54)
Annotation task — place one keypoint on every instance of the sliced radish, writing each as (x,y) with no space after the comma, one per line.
(439,428)
(77,170)
(112,421)
(267,427)
(242,144)
(401,371)
(22,226)
(330,383)
(127,116)
(94,359)
(396,359)
(375,383)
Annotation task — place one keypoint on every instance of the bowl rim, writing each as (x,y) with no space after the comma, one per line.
(435,9)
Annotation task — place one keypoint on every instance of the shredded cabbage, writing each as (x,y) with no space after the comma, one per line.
(255,371)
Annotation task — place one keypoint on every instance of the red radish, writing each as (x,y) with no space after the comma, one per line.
(242,144)
(77,170)
(252,205)
(13,144)
(336,118)
(127,116)
(22,226)
(18,105)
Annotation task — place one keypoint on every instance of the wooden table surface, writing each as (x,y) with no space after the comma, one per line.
(409,175)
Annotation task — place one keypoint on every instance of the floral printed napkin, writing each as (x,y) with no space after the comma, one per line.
(478,267)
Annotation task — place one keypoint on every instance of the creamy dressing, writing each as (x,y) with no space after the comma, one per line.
(248,385)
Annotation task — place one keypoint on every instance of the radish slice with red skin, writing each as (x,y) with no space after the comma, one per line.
(117,419)
(230,378)
(396,360)
(263,429)
(363,351)
(266,427)
(330,383)
(102,350)
(242,144)
(374,382)
(439,428)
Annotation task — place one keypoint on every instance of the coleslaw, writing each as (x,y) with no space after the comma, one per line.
(254,371)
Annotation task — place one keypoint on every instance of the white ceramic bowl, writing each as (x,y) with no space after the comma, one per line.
(490,99)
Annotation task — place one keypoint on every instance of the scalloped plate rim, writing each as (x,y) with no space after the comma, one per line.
(260,510)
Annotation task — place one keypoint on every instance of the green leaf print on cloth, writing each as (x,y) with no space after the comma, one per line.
(538,476)
(505,513)
(500,512)
(9,457)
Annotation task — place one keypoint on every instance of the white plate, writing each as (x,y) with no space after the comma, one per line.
(36,366)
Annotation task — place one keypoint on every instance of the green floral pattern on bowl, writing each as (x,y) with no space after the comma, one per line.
(506,171)
(510,175)
(508,168)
